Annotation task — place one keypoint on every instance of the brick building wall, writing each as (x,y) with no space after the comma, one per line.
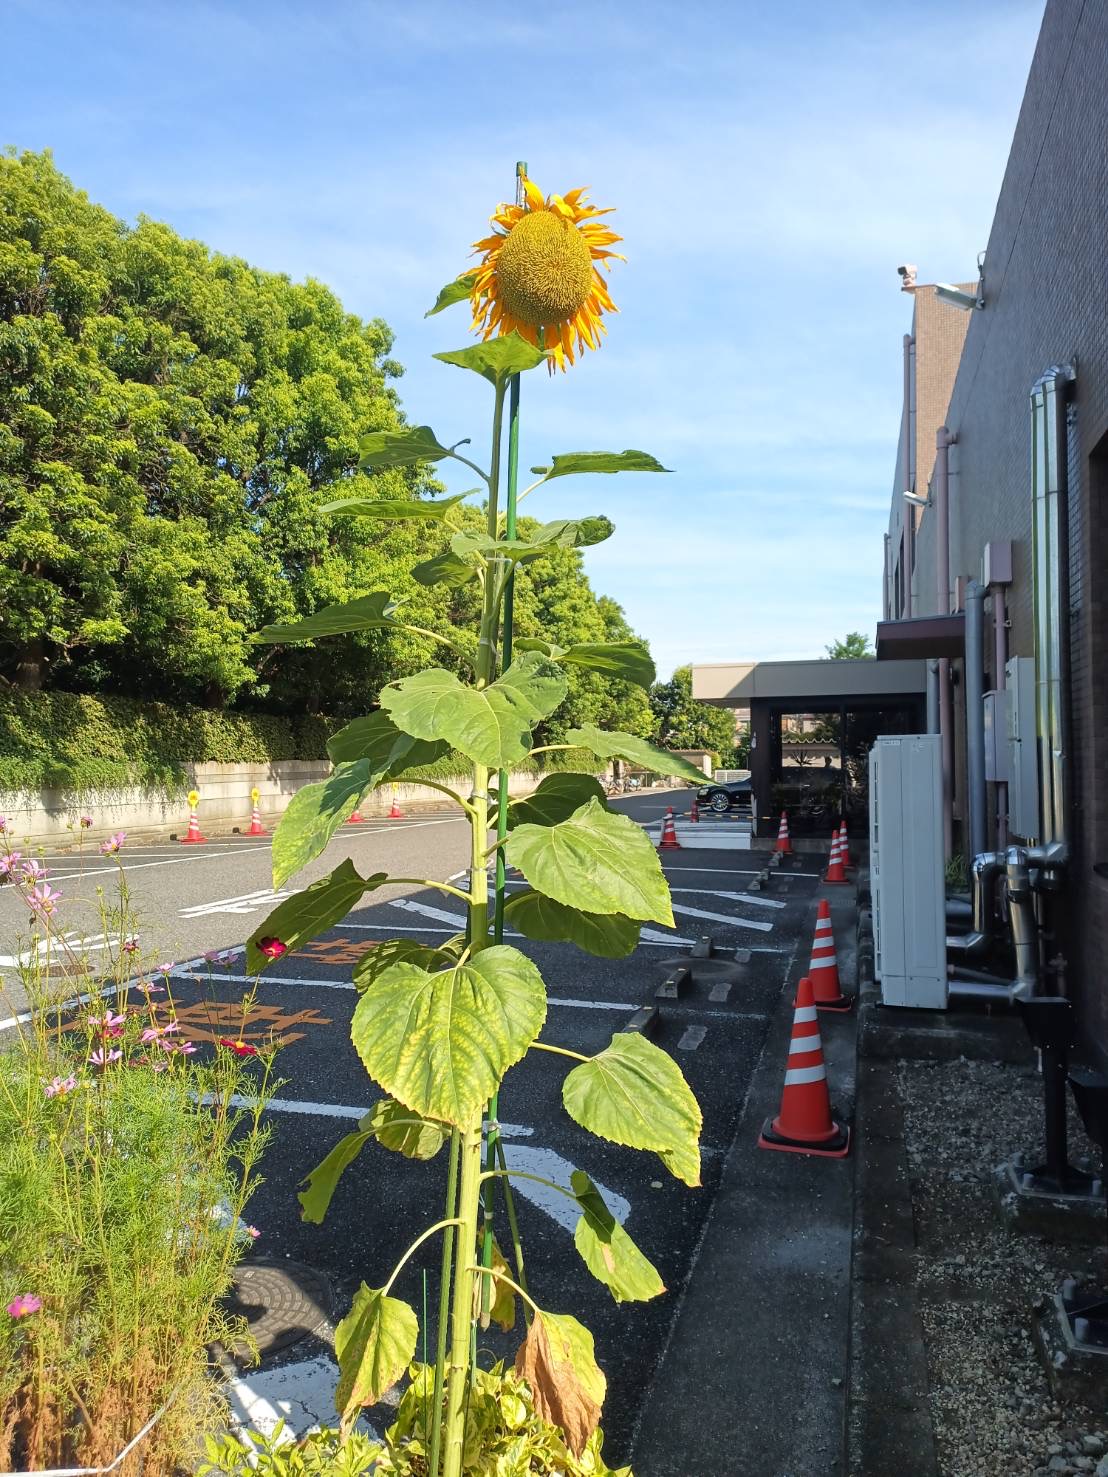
(1046,293)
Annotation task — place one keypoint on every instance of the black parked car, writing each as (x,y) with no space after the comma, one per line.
(721,795)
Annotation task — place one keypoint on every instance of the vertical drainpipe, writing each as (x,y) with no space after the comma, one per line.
(886,603)
(943,442)
(933,696)
(908,513)
(975,718)
(1000,658)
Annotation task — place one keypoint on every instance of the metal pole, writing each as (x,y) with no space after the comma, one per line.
(943,441)
(975,718)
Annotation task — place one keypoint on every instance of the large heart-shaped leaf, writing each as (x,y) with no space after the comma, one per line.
(632,1093)
(441,1043)
(374,1345)
(321,1183)
(400,448)
(607,1250)
(558,1361)
(454,292)
(369,613)
(570,463)
(445,569)
(472,544)
(490,725)
(596,860)
(381,956)
(389,751)
(575,533)
(556,797)
(308,913)
(498,359)
(636,750)
(608,935)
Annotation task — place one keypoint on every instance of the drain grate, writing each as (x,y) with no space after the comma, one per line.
(282,1302)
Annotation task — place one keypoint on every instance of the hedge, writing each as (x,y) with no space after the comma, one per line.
(86,745)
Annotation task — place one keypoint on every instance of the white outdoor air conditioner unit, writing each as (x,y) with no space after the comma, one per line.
(906,869)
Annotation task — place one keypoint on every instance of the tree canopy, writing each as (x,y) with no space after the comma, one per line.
(170,421)
(854,646)
(683,723)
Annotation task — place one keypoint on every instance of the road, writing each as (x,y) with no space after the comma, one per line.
(196,900)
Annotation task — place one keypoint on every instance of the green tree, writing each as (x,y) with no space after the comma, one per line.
(683,723)
(853,647)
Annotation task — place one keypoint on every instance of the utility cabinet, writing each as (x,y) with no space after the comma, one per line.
(906,869)
(1023,756)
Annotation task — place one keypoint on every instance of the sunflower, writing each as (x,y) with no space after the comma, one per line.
(538,274)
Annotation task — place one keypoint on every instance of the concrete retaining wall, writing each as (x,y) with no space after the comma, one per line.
(52,816)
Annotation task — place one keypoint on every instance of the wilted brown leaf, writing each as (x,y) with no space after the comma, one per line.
(556,1361)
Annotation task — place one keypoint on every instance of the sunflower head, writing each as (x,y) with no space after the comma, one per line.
(539,274)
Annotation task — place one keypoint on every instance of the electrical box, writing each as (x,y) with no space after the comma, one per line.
(996,736)
(906,869)
(1023,758)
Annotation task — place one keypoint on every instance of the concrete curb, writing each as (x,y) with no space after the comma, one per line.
(753,1380)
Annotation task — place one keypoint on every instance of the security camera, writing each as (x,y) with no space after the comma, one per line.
(907,274)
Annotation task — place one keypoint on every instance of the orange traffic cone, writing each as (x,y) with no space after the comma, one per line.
(823,968)
(784,846)
(355,818)
(193,837)
(835,872)
(804,1125)
(395,813)
(844,844)
(694,810)
(256,828)
(669,841)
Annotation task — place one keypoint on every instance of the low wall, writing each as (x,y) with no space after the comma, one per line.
(52,816)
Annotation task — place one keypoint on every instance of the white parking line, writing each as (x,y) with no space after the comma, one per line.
(282,979)
(738,871)
(733,897)
(723,918)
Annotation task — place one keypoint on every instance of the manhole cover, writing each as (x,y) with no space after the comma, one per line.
(282,1303)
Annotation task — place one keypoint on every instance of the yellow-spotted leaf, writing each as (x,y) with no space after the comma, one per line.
(633,1093)
(440,1043)
(374,1345)
(607,1250)
(403,1131)
(607,935)
(596,860)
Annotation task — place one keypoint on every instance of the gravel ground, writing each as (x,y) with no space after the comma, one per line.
(990,1403)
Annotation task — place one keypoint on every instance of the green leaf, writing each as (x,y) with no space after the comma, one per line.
(628,661)
(374,1345)
(470,545)
(555,799)
(400,448)
(596,860)
(313,816)
(575,533)
(608,935)
(396,951)
(445,569)
(632,1093)
(395,509)
(636,750)
(369,613)
(502,1309)
(389,751)
(572,462)
(498,359)
(321,1183)
(491,725)
(403,1131)
(441,1043)
(311,912)
(454,292)
(607,1250)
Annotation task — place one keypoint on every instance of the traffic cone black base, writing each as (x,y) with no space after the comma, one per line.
(837,1147)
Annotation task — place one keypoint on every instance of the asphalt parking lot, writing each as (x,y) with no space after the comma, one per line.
(213,898)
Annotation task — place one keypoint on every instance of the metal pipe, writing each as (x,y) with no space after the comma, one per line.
(944,440)
(975,718)
(986,867)
(1021,912)
(932,697)
(907,511)
(886,603)
(977,990)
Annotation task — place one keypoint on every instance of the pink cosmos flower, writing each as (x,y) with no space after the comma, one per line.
(272,948)
(25,1303)
(43,900)
(3,824)
(86,822)
(102,1056)
(253,1232)
(148,987)
(108,1024)
(165,968)
(152,1033)
(32,871)
(170,1029)
(60,1086)
(8,863)
(113,843)
(130,946)
(240,1048)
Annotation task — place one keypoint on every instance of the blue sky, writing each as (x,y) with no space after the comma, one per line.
(771,167)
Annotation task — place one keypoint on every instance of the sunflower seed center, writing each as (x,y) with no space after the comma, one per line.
(544,271)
